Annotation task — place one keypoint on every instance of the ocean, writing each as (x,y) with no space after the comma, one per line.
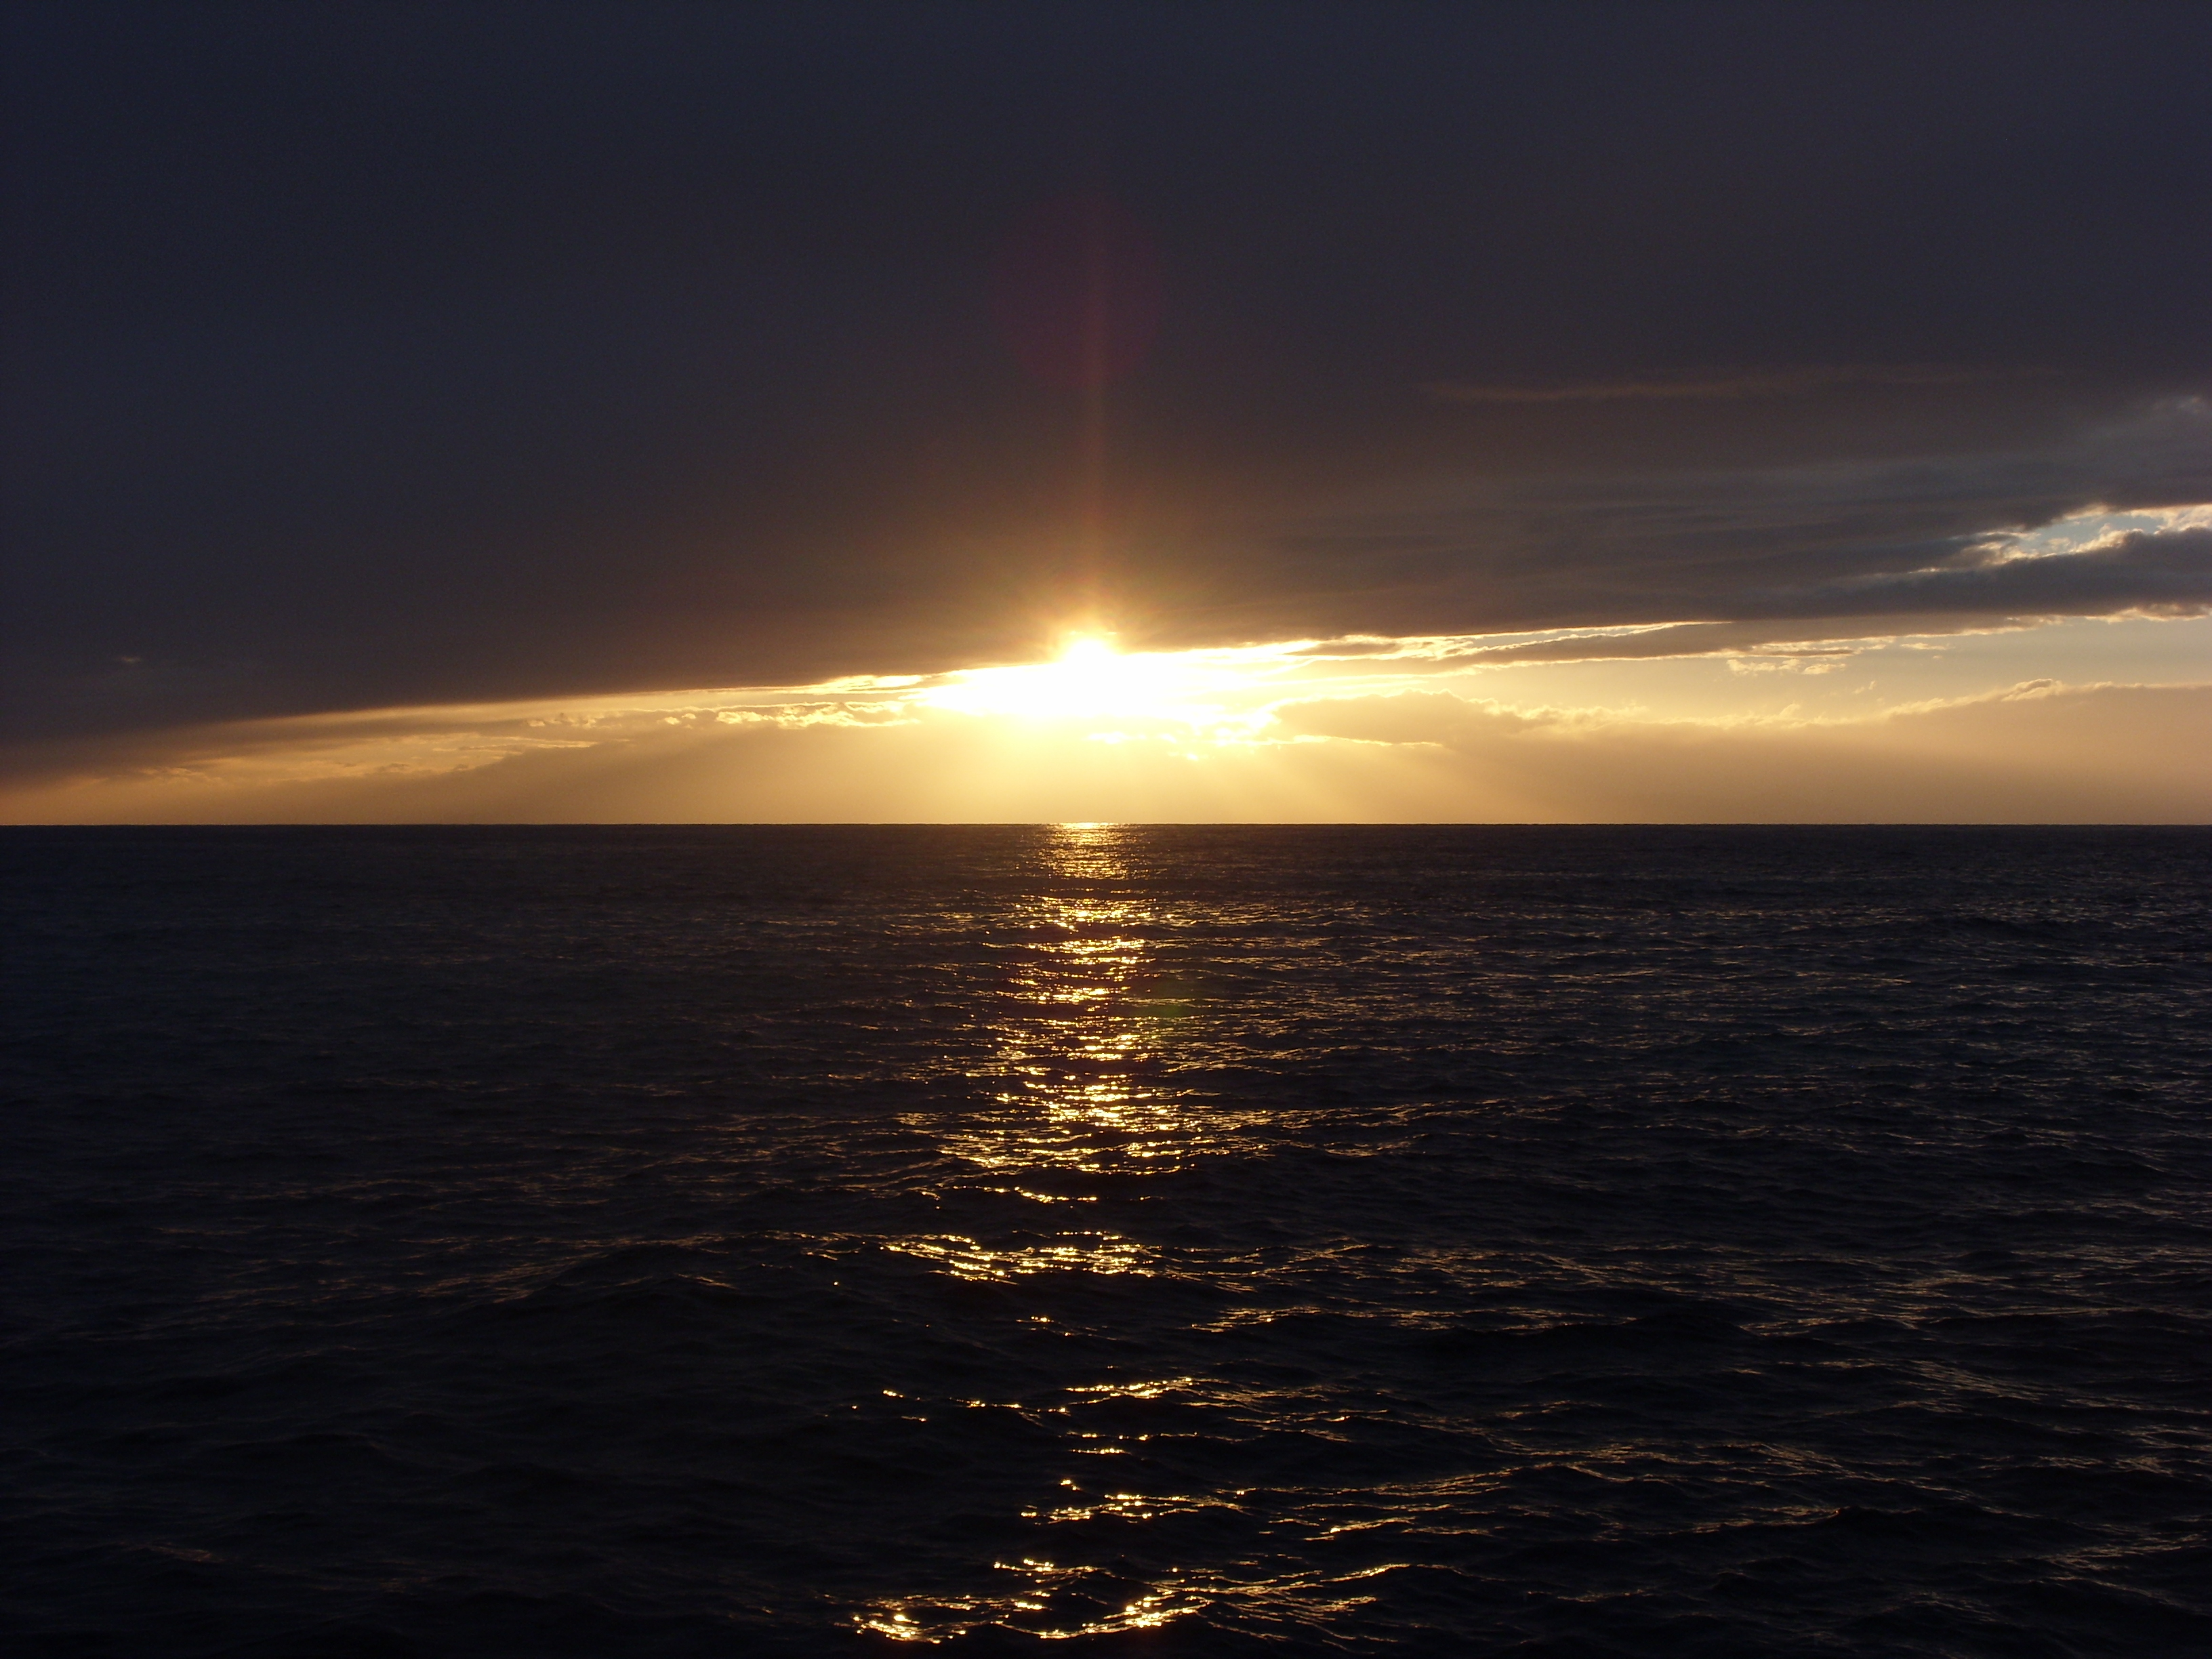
(744,1241)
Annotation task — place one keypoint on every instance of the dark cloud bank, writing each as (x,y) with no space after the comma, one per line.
(380,354)
(1829,549)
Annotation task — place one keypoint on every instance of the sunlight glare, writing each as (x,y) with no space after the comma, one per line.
(1089,679)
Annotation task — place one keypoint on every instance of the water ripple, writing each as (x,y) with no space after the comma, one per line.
(1165,1241)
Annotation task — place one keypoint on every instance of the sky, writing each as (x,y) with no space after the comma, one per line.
(1301,412)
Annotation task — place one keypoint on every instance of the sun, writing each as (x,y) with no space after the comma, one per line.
(1089,679)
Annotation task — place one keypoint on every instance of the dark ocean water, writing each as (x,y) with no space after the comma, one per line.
(779,1241)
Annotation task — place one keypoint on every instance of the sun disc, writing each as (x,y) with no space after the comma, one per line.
(1087,648)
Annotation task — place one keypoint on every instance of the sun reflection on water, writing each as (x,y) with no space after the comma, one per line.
(965,1258)
(1060,1602)
(1041,1613)
(1078,1094)
(1082,1049)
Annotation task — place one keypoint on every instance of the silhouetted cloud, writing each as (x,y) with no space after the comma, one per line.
(2162,575)
(1889,543)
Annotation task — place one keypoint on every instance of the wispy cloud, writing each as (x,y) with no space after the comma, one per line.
(1792,382)
(2143,572)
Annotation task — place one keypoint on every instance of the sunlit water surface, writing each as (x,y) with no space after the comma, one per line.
(1192,1240)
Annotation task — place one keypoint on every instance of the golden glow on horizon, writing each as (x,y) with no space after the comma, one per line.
(1561,724)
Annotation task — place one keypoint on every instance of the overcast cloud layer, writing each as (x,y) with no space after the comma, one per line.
(372,356)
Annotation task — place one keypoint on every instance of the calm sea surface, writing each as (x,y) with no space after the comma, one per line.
(753,1241)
